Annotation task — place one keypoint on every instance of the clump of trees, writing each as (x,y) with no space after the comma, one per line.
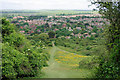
(51,34)
(36,17)
(19,57)
(109,66)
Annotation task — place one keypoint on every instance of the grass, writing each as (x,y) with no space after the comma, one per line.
(51,12)
(73,50)
(70,59)
(64,64)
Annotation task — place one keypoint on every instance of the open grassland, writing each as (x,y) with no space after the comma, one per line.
(49,12)
(63,64)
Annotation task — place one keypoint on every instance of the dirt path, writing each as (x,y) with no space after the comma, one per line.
(58,70)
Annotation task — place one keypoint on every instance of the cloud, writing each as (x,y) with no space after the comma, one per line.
(45,4)
(10,5)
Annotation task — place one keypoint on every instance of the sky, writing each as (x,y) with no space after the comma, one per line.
(45,4)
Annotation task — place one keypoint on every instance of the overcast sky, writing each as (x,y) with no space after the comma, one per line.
(46,4)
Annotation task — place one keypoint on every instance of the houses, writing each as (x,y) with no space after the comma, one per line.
(93,33)
(70,29)
(88,36)
(38,30)
(67,37)
(56,29)
(14,17)
(89,27)
(18,17)
(72,34)
(21,27)
(22,31)
(63,23)
(78,35)
(79,28)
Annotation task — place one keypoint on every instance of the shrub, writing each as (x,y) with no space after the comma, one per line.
(88,48)
(19,58)
(14,63)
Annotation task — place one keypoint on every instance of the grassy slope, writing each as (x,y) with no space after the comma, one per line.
(61,70)
(72,50)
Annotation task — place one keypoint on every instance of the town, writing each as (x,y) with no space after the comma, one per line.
(81,26)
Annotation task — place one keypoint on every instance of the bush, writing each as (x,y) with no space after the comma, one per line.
(7,29)
(88,48)
(50,44)
(19,57)
(14,63)
(15,39)
(88,63)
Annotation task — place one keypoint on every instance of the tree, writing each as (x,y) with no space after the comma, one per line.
(86,24)
(75,31)
(110,65)
(94,30)
(51,34)
(46,25)
(43,36)
(7,29)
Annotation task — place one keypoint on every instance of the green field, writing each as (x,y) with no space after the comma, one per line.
(49,12)
(58,68)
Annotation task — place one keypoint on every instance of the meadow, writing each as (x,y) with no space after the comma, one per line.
(63,64)
(46,12)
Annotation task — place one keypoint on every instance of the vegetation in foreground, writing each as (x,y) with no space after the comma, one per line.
(20,58)
(59,68)
(109,65)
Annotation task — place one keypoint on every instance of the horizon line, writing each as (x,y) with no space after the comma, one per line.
(51,9)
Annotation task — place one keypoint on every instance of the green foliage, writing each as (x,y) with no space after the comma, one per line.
(15,39)
(110,67)
(19,57)
(75,31)
(92,38)
(7,29)
(88,63)
(40,40)
(43,36)
(14,63)
(50,44)
(88,48)
(82,46)
(51,34)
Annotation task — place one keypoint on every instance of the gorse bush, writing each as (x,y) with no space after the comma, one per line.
(19,57)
